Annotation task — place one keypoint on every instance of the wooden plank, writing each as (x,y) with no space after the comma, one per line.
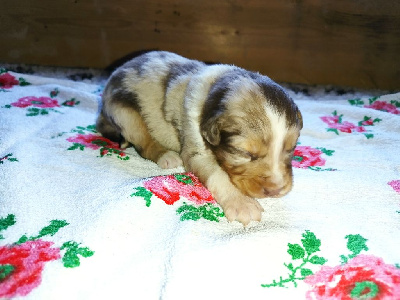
(353,43)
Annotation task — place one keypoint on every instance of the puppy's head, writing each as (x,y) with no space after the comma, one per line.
(252,126)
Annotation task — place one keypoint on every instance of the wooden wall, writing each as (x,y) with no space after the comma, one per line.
(341,42)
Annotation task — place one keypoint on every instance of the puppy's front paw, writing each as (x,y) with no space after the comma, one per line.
(242,209)
(170,160)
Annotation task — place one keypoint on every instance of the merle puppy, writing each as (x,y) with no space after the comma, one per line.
(234,129)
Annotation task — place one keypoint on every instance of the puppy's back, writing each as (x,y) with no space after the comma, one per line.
(153,85)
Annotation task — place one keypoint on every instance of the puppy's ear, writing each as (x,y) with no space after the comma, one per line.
(300,118)
(210,130)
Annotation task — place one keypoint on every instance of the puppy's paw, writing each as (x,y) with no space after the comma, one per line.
(170,160)
(242,209)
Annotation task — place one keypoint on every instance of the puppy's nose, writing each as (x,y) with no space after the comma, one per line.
(272,192)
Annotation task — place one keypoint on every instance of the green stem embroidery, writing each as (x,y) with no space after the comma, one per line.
(321,169)
(305,253)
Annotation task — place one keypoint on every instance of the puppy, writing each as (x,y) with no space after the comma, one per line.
(236,130)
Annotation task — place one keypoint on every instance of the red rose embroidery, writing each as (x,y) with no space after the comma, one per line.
(335,122)
(7,81)
(42,102)
(384,106)
(21,266)
(97,142)
(363,277)
(306,156)
(93,141)
(170,188)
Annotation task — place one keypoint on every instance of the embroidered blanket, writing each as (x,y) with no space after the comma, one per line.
(81,218)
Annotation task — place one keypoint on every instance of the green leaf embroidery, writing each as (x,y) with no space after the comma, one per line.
(296,251)
(298,158)
(310,242)
(373,99)
(364,290)
(317,260)
(207,211)
(23,82)
(355,243)
(83,130)
(357,102)
(333,130)
(6,222)
(71,256)
(326,151)
(76,146)
(99,143)
(395,103)
(33,112)
(184,178)
(143,192)
(305,272)
(6,271)
(52,229)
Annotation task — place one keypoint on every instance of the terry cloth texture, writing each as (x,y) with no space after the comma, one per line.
(82,219)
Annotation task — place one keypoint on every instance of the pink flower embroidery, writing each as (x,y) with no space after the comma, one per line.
(22,266)
(335,122)
(365,276)
(7,81)
(70,103)
(170,188)
(305,156)
(395,184)
(93,141)
(42,102)
(384,106)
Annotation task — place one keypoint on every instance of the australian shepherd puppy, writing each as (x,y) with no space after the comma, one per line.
(236,130)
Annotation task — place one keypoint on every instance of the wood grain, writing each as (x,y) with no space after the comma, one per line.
(352,43)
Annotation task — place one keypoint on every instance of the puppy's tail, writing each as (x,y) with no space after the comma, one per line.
(109,130)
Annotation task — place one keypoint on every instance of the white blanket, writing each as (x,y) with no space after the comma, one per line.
(82,219)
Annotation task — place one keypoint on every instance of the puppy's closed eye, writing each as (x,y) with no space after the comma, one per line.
(290,151)
(252,156)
